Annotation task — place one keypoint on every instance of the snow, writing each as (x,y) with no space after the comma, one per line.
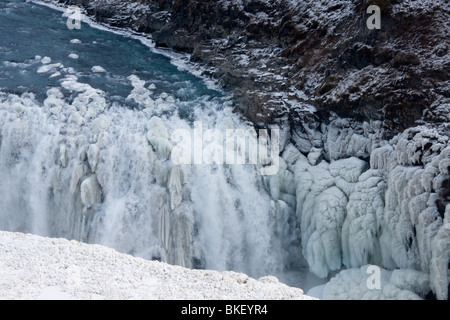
(34,267)
(54,293)
(73,56)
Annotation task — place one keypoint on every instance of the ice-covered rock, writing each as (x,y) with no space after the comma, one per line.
(46,60)
(374,283)
(302,141)
(98,69)
(93,156)
(440,257)
(140,94)
(315,156)
(381,158)
(341,141)
(49,67)
(348,169)
(159,138)
(360,230)
(91,192)
(387,213)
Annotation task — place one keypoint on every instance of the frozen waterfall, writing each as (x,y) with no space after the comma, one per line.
(86,152)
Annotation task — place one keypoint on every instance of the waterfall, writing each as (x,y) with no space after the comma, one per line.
(99,172)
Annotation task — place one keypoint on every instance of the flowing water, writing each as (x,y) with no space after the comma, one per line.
(85,122)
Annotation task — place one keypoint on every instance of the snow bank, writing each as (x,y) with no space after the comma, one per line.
(33,267)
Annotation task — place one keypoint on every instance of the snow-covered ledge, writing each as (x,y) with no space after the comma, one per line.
(34,267)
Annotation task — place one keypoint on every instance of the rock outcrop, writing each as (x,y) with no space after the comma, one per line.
(299,59)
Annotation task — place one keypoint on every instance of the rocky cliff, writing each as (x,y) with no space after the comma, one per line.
(290,59)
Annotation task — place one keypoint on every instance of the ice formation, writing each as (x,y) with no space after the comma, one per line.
(400,284)
(387,210)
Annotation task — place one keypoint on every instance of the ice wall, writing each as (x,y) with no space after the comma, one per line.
(362,200)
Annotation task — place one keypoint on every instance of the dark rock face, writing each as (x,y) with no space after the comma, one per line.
(284,59)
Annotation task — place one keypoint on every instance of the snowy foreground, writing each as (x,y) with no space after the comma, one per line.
(33,267)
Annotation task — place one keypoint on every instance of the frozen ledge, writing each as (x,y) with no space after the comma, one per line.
(34,267)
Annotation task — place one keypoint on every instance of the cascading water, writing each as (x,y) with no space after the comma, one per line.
(84,151)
